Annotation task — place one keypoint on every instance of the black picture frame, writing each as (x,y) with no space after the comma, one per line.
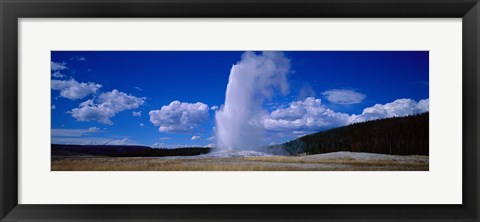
(12,10)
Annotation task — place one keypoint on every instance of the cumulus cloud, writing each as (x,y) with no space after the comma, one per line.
(343,96)
(58,75)
(139,113)
(195,137)
(179,116)
(56,66)
(94,129)
(106,106)
(71,89)
(142,125)
(310,115)
(399,107)
(214,108)
(54,107)
(422,106)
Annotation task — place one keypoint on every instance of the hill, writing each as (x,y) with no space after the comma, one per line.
(396,136)
(123,151)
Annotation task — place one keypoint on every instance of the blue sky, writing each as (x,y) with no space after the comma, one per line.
(126,97)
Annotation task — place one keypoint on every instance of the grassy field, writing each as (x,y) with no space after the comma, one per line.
(321,162)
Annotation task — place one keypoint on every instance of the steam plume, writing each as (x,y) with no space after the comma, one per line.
(252,80)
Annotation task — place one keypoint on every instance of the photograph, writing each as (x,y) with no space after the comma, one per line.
(239,110)
(316,110)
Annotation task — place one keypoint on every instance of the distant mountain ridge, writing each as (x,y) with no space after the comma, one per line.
(396,136)
(123,151)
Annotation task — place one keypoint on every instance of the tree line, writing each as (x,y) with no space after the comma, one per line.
(397,136)
(124,151)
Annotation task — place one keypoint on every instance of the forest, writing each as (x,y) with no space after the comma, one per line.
(396,136)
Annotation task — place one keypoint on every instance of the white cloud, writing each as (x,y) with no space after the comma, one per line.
(139,113)
(310,115)
(94,129)
(124,141)
(164,138)
(173,146)
(106,106)
(54,107)
(92,141)
(58,75)
(56,66)
(195,137)
(159,145)
(142,125)
(212,138)
(399,107)
(73,132)
(214,108)
(422,106)
(343,96)
(179,116)
(73,90)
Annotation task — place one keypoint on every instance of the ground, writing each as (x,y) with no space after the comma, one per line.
(338,161)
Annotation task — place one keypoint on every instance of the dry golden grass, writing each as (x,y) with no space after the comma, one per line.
(419,160)
(264,163)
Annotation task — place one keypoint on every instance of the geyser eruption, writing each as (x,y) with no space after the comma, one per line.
(252,80)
